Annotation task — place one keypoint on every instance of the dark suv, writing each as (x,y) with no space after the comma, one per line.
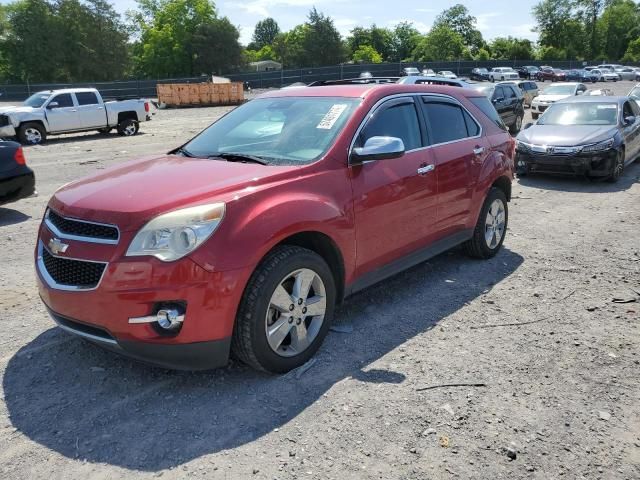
(508,100)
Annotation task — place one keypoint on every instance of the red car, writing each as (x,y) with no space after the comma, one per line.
(245,238)
(551,74)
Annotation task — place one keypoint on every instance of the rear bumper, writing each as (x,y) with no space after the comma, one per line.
(20,183)
(597,164)
(190,356)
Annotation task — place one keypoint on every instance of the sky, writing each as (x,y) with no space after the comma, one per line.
(496,18)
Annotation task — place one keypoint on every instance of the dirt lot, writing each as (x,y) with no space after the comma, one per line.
(559,395)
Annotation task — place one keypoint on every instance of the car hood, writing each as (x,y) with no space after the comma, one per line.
(550,98)
(566,136)
(16,109)
(131,194)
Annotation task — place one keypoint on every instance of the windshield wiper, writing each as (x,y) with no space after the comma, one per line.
(184,152)
(239,157)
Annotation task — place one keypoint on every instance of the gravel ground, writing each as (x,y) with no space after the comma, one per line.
(554,357)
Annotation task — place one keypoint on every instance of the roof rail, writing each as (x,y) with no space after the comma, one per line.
(354,81)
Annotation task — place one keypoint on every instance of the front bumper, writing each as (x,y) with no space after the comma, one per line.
(7,131)
(592,164)
(539,107)
(137,287)
(17,184)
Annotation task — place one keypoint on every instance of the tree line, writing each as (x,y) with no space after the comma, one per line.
(87,40)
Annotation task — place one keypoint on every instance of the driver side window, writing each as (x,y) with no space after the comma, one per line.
(64,100)
(627,111)
(400,121)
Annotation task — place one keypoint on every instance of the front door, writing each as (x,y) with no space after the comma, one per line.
(499,101)
(395,199)
(62,113)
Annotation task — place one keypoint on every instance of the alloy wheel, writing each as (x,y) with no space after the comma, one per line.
(129,130)
(494,224)
(296,312)
(33,135)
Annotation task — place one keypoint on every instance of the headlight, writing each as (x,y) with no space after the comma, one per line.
(173,235)
(521,146)
(598,147)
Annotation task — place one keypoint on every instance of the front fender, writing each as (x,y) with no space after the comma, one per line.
(19,118)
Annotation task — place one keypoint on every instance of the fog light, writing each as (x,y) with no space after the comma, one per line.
(169,319)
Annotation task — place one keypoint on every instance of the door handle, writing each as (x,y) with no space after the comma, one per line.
(74,110)
(100,108)
(478,150)
(425,169)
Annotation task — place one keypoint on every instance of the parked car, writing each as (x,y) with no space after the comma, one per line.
(551,74)
(529,90)
(508,100)
(605,75)
(581,76)
(634,93)
(554,93)
(437,80)
(427,72)
(479,74)
(447,74)
(603,92)
(17,181)
(609,66)
(591,135)
(365,75)
(528,71)
(626,73)
(54,112)
(245,238)
(410,71)
(503,73)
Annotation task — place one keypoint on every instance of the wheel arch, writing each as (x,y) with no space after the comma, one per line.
(37,121)
(324,246)
(503,183)
(128,115)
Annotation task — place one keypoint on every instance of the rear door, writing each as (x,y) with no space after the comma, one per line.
(90,111)
(394,200)
(459,149)
(62,113)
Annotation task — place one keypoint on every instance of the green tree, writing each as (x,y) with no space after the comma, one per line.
(482,55)
(633,51)
(264,33)
(404,39)
(618,25)
(458,19)
(509,48)
(216,47)
(321,42)
(381,39)
(560,27)
(441,43)
(366,54)
(551,53)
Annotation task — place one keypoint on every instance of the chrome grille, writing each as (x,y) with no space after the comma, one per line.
(81,229)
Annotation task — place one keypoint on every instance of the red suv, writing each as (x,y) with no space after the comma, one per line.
(246,237)
(552,74)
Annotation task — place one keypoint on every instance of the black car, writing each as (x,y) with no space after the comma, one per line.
(527,71)
(581,76)
(479,74)
(508,101)
(596,136)
(16,179)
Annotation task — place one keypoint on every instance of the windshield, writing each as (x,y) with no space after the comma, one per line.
(280,131)
(36,100)
(587,113)
(635,93)
(486,90)
(559,90)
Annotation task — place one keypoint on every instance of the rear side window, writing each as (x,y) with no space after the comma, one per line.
(448,122)
(64,100)
(399,121)
(489,110)
(86,98)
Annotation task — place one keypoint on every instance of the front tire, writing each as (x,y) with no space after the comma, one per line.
(535,116)
(489,233)
(285,311)
(618,168)
(31,134)
(128,127)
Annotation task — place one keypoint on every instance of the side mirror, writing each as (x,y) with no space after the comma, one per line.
(629,120)
(378,148)
(579,92)
(52,105)
(528,125)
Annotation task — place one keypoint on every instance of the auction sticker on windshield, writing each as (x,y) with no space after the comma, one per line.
(332,116)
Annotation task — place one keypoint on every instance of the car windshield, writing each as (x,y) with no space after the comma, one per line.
(482,70)
(277,131)
(36,100)
(559,90)
(486,90)
(635,93)
(581,113)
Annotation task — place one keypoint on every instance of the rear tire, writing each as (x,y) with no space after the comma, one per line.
(490,230)
(32,134)
(517,125)
(259,336)
(128,127)
(535,116)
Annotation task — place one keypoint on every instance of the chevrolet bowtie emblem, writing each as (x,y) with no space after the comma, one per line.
(550,149)
(56,246)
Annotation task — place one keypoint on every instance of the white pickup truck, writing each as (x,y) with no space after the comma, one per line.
(500,74)
(53,112)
